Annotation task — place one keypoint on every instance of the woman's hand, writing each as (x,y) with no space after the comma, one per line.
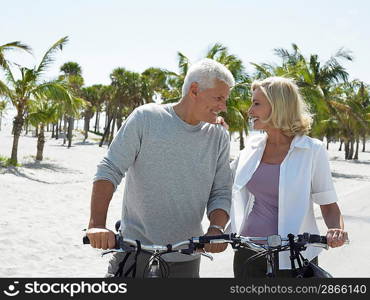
(336,237)
(221,121)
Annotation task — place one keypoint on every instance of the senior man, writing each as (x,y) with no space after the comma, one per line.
(175,160)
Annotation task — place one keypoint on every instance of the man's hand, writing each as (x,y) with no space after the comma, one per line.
(214,248)
(336,237)
(101,238)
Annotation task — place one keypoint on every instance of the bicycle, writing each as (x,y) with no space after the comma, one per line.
(274,244)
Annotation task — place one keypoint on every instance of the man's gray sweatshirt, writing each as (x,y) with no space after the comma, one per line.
(174,171)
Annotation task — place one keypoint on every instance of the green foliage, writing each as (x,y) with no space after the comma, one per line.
(8,162)
(2,105)
(42,112)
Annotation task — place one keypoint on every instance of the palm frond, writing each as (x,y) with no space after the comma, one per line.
(345,54)
(48,56)
(217,48)
(262,70)
(4,90)
(16,45)
(52,90)
(183,64)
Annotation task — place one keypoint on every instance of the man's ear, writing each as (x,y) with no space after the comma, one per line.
(194,89)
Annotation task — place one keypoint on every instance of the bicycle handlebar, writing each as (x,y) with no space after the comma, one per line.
(234,239)
(151,248)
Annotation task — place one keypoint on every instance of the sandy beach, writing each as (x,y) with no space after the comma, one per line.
(45,206)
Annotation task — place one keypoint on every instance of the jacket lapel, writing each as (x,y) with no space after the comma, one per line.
(249,160)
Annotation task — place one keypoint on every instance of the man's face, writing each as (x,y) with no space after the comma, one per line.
(212,101)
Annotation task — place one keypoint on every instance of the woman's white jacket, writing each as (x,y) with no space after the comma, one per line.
(305,178)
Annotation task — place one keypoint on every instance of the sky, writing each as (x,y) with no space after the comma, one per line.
(136,35)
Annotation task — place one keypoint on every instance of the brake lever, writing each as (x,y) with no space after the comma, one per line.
(115,251)
(207,255)
(323,246)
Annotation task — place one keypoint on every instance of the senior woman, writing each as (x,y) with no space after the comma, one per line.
(278,177)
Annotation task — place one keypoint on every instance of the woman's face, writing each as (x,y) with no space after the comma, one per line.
(259,110)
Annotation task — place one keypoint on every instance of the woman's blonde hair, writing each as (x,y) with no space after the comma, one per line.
(289,111)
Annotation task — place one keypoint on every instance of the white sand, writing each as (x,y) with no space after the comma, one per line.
(44,207)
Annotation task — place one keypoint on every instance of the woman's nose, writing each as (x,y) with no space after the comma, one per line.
(250,110)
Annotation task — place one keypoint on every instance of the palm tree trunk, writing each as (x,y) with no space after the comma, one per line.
(351,149)
(65,130)
(96,122)
(57,130)
(26,126)
(86,127)
(346,150)
(119,121)
(106,132)
(363,142)
(340,145)
(327,144)
(106,119)
(112,130)
(59,127)
(357,146)
(241,140)
(40,142)
(17,129)
(70,130)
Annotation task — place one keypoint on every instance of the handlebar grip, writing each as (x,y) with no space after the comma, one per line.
(315,238)
(207,238)
(85,240)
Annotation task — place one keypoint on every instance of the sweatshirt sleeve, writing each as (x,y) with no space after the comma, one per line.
(122,151)
(220,196)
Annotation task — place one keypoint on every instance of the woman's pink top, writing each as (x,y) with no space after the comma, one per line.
(264,185)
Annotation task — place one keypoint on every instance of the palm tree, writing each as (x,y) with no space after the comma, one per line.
(153,83)
(107,93)
(71,68)
(129,90)
(41,113)
(91,96)
(352,114)
(30,87)
(364,99)
(71,74)
(175,81)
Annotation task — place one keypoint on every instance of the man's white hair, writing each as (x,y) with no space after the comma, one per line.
(204,72)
